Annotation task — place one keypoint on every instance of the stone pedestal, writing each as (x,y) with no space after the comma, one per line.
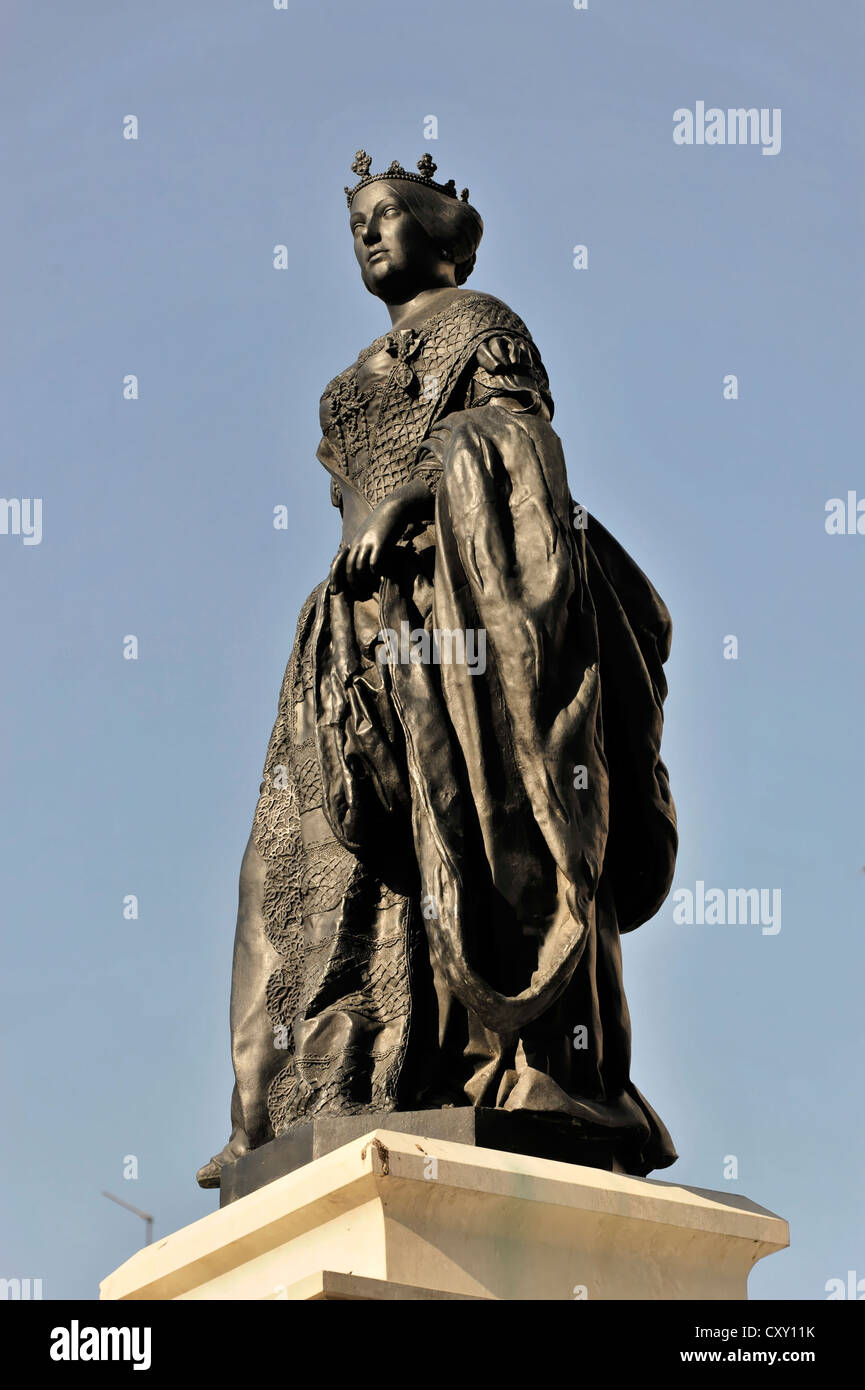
(512,1131)
(403,1216)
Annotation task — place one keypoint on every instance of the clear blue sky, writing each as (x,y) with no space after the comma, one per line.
(154,257)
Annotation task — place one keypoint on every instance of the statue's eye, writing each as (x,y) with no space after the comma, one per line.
(391,209)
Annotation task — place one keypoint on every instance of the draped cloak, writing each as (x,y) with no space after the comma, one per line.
(464,802)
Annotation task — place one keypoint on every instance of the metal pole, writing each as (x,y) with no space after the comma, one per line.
(145,1215)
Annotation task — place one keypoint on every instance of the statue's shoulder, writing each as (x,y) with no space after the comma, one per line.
(467,321)
(486,310)
(489,303)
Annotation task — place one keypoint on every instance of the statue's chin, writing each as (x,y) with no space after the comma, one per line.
(383,285)
(399,289)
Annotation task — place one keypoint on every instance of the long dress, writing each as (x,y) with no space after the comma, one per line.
(445,851)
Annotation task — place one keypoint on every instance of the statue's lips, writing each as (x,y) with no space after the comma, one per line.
(374,255)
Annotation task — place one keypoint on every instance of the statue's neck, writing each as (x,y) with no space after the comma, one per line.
(415,310)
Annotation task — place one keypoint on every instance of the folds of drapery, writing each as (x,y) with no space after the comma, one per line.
(501,787)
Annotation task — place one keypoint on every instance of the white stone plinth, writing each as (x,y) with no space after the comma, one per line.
(398,1216)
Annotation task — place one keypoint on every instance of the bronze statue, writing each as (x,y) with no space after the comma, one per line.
(463,801)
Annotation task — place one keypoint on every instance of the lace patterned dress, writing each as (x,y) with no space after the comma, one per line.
(443,858)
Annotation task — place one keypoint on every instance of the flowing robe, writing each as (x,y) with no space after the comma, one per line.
(445,851)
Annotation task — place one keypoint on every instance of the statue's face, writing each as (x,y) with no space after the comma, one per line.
(396,257)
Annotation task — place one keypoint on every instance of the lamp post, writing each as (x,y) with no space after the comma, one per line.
(145,1215)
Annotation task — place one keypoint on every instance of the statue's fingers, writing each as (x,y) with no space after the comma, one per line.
(351,566)
(364,561)
(337,570)
(374,554)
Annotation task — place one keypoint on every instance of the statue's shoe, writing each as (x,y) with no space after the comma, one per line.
(210,1175)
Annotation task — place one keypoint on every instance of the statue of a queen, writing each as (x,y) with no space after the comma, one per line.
(463,803)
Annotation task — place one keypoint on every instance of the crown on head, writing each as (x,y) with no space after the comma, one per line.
(426,165)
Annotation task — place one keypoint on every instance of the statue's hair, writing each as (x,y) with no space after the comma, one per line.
(453,225)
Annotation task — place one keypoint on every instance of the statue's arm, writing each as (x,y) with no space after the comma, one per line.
(357,564)
(508,372)
(505,372)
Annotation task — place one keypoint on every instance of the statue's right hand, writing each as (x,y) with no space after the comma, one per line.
(359,564)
